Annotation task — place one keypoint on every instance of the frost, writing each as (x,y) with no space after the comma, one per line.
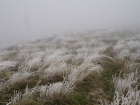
(7,64)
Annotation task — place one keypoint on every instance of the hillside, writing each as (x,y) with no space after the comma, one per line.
(92,68)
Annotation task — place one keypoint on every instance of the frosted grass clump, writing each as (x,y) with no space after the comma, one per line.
(125,53)
(123,84)
(18,77)
(54,56)
(130,65)
(55,69)
(63,88)
(7,64)
(36,60)
(135,56)
(126,90)
(96,58)
(16,97)
(80,73)
(51,91)
(131,98)
(19,97)
(34,63)
(56,90)
(133,45)
(120,45)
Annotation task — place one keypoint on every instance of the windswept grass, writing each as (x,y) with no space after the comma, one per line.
(93,68)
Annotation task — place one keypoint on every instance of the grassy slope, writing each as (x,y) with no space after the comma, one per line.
(96,87)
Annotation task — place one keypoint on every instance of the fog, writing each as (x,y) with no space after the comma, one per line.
(22,20)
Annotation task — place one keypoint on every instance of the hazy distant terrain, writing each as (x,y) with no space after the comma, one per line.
(92,68)
(22,20)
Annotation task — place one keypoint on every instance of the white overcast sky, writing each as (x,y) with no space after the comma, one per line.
(31,19)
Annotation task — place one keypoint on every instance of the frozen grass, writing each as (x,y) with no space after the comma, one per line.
(126,89)
(7,64)
(72,67)
(20,98)
(16,78)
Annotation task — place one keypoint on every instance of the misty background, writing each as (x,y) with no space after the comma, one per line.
(23,20)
